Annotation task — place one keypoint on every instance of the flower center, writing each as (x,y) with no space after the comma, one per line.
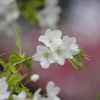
(46,54)
(58,51)
(50,40)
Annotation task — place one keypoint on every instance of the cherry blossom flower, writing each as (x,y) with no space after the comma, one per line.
(51,2)
(49,17)
(52,91)
(44,55)
(20,96)
(51,37)
(60,52)
(34,77)
(37,96)
(71,44)
(3,89)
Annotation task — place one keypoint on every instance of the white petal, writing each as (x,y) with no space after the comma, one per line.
(73,40)
(4,95)
(44,63)
(22,95)
(51,89)
(57,34)
(51,58)
(41,49)
(53,47)
(66,54)
(48,33)
(37,57)
(54,98)
(74,51)
(61,60)
(38,91)
(45,40)
(66,40)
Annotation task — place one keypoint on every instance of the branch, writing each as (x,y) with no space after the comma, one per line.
(22,61)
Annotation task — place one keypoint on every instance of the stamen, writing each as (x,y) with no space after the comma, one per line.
(50,41)
(46,54)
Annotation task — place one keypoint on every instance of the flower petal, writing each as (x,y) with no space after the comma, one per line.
(48,33)
(22,95)
(44,63)
(44,39)
(37,57)
(57,34)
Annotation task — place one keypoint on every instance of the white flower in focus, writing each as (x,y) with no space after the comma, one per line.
(52,91)
(71,44)
(60,52)
(51,37)
(34,77)
(3,89)
(44,55)
(37,96)
(49,17)
(20,96)
(51,2)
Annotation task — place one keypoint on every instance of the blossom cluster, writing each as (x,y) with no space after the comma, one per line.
(9,13)
(48,17)
(52,92)
(57,48)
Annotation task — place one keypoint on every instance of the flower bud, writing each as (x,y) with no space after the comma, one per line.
(34,77)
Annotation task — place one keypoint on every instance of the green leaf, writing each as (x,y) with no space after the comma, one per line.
(14,52)
(15,78)
(28,63)
(14,59)
(2,62)
(98,98)
(76,62)
(18,41)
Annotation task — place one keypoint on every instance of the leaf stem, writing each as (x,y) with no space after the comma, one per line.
(22,61)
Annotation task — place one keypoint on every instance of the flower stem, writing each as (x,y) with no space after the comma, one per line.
(22,61)
(27,82)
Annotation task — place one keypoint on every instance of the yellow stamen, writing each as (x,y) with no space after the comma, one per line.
(50,41)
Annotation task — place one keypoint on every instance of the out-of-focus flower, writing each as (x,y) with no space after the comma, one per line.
(51,2)
(49,17)
(52,91)
(51,37)
(34,77)
(9,13)
(37,96)
(60,52)
(3,89)
(20,96)
(71,44)
(12,13)
(4,4)
(44,55)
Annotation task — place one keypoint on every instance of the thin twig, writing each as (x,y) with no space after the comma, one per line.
(22,61)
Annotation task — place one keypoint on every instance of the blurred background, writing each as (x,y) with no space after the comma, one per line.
(75,18)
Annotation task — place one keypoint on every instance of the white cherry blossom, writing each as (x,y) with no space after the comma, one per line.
(71,44)
(37,96)
(51,2)
(60,52)
(3,89)
(20,96)
(43,55)
(51,37)
(52,91)
(49,17)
